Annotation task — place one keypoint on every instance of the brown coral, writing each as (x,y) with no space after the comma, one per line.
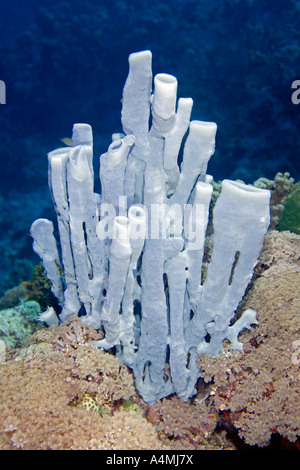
(188,425)
(42,387)
(259,387)
(280,253)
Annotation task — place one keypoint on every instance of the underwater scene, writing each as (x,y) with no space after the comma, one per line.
(150,227)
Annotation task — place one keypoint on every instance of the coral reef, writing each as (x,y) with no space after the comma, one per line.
(57,376)
(257,389)
(19,322)
(188,425)
(280,253)
(71,395)
(59,392)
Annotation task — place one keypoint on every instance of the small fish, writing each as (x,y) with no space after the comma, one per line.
(28,287)
(67,141)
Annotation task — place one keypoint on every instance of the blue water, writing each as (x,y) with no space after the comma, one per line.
(66,61)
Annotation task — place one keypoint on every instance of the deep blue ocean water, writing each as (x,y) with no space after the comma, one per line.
(66,61)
